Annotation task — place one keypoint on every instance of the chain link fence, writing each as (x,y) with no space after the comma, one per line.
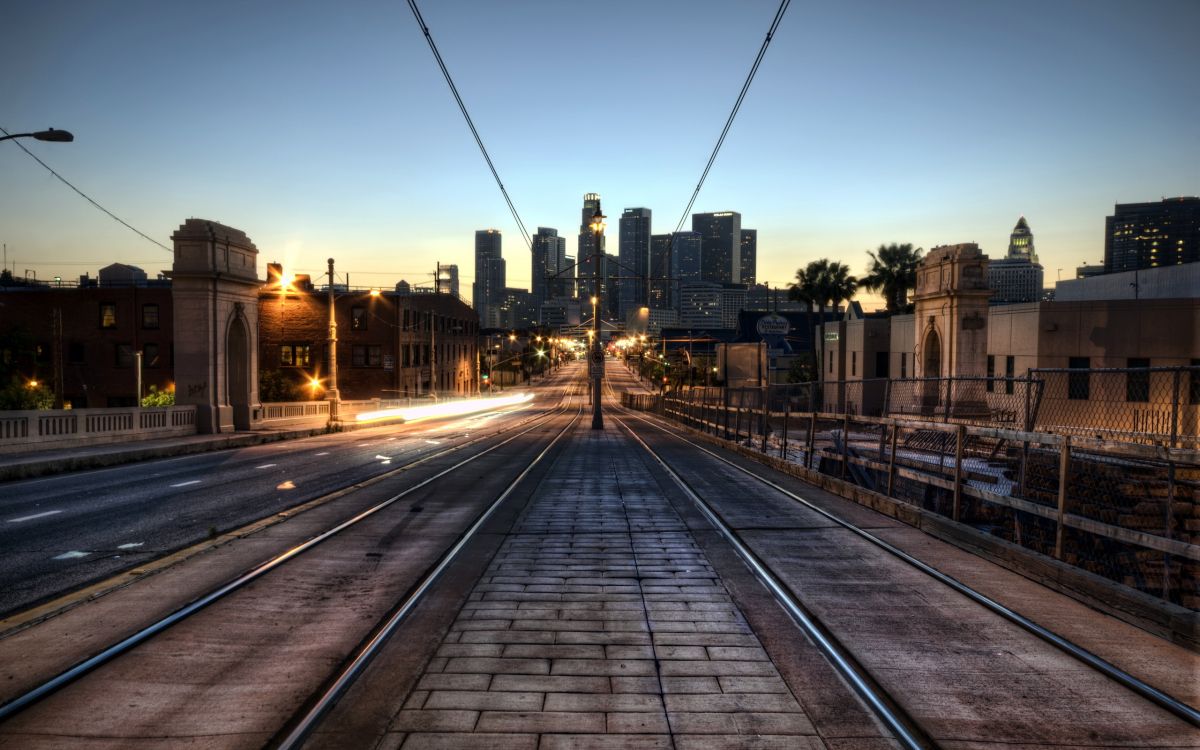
(1125,511)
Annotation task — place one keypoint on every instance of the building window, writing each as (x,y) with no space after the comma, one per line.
(150,356)
(991,373)
(1137,384)
(124,355)
(1010,372)
(358,319)
(1078,383)
(108,315)
(150,316)
(76,353)
(881,364)
(366,356)
(903,365)
(853,363)
(1194,383)
(294,355)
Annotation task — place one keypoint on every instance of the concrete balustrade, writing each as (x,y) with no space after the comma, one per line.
(22,431)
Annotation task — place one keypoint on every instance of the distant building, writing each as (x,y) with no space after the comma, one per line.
(707,305)
(765,299)
(749,257)
(633,252)
(660,272)
(1167,282)
(549,253)
(561,312)
(586,252)
(518,309)
(119,274)
(1086,272)
(721,243)
(487,292)
(447,279)
(1018,276)
(686,256)
(1149,235)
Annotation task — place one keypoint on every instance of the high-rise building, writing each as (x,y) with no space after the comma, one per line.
(1149,235)
(549,253)
(711,306)
(660,272)
(487,292)
(686,257)
(586,250)
(721,242)
(609,289)
(749,257)
(1018,276)
(447,279)
(634,260)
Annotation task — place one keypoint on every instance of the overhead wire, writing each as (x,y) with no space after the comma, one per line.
(762,51)
(87,197)
(470,123)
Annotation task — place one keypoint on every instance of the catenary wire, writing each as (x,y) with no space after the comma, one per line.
(463,107)
(762,51)
(87,197)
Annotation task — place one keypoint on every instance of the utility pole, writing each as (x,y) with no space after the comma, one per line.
(332,392)
(58,359)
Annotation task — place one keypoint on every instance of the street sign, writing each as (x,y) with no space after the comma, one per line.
(389,362)
(597,357)
(773,325)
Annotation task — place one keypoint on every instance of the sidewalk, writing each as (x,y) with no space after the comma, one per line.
(39,463)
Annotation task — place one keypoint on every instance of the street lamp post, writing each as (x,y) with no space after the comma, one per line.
(332,391)
(597,354)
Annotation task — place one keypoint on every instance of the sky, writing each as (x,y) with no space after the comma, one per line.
(325,129)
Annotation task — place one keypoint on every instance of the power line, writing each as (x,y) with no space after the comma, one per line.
(454,90)
(87,197)
(783,6)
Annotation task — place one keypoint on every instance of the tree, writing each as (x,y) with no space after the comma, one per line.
(823,283)
(893,271)
(158,398)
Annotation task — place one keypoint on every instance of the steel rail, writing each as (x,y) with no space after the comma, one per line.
(1108,669)
(346,677)
(904,729)
(81,668)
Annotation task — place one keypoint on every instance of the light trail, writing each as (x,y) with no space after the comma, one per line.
(449,409)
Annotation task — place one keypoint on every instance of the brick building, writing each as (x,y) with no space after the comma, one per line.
(81,341)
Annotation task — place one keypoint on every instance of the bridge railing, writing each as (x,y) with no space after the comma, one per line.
(1128,512)
(46,429)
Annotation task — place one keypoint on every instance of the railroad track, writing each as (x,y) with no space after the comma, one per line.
(298,727)
(905,728)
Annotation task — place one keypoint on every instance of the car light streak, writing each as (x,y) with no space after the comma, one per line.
(448,409)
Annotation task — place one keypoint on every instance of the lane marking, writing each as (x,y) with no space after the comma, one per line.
(185,484)
(130,545)
(363,445)
(265,466)
(73,554)
(323,453)
(35,515)
(434,442)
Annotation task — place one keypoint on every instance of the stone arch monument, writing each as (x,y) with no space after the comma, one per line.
(951,328)
(214,282)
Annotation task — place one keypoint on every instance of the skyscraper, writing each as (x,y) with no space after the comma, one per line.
(447,279)
(660,272)
(634,260)
(487,292)
(721,240)
(1018,277)
(686,257)
(549,253)
(586,251)
(749,257)
(1148,235)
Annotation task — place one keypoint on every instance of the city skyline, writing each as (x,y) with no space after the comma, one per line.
(328,134)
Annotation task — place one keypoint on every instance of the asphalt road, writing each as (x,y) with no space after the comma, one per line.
(62,532)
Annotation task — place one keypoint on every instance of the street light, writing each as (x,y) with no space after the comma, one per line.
(597,350)
(52,135)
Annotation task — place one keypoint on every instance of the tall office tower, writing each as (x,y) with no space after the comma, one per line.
(586,251)
(660,272)
(447,279)
(721,240)
(487,291)
(1020,242)
(1018,276)
(549,255)
(687,250)
(749,257)
(1148,235)
(634,256)
(609,289)
(567,273)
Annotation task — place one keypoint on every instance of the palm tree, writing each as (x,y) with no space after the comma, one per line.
(823,283)
(893,270)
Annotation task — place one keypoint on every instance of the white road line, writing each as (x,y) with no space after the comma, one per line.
(73,554)
(265,466)
(363,445)
(131,545)
(323,453)
(185,484)
(35,515)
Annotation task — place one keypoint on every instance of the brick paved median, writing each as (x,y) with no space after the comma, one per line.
(600,624)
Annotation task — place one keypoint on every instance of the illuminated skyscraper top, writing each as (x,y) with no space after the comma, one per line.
(1020,242)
